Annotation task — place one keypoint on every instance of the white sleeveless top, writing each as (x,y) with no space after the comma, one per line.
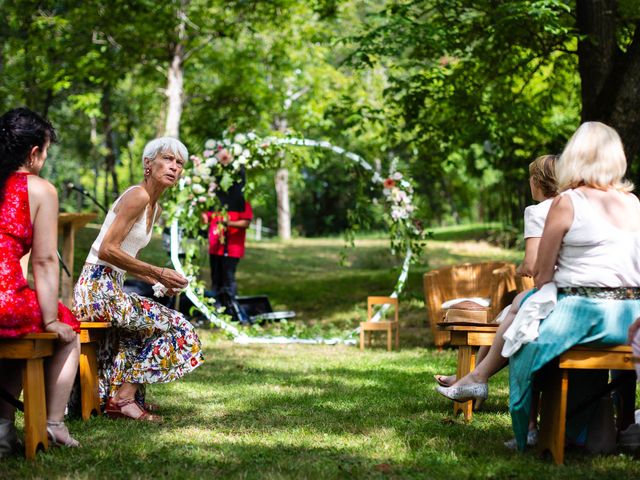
(136,239)
(596,253)
(534,218)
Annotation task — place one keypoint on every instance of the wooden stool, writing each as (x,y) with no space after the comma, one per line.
(90,333)
(32,348)
(553,411)
(382,325)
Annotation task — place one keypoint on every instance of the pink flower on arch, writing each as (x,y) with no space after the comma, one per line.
(389,183)
(224,157)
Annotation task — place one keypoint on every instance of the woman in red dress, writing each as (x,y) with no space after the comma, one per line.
(28,223)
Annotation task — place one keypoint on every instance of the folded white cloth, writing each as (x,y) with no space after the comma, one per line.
(159,290)
(524,328)
(485,302)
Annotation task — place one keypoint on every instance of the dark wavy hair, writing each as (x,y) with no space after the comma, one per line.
(20,130)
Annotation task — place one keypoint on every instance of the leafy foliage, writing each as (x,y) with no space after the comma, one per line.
(476,90)
(464,93)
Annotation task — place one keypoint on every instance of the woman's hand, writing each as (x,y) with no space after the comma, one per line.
(65,333)
(172,279)
(633,329)
(521,270)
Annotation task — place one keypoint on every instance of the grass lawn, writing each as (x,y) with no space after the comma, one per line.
(316,411)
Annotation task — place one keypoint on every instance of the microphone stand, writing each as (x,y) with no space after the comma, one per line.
(83,192)
(64,267)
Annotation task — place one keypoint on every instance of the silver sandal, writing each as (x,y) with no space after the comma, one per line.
(62,438)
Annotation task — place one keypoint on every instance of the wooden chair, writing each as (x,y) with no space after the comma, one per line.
(493,280)
(524,283)
(32,348)
(383,325)
(553,412)
(90,334)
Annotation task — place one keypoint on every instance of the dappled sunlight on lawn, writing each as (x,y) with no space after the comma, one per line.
(296,411)
(299,411)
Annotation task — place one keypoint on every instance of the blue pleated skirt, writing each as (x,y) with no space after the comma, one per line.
(575,320)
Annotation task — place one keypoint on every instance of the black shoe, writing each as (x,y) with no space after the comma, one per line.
(630,438)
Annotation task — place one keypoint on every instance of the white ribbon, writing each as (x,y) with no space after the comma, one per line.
(240,337)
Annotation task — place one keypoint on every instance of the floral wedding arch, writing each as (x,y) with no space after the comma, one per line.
(219,166)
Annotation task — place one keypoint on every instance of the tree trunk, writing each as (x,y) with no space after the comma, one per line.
(109,142)
(610,76)
(93,137)
(282,190)
(175,78)
(284,213)
(596,53)
(446,190)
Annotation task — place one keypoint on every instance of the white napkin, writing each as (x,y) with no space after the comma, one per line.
(159,290)
(524,328)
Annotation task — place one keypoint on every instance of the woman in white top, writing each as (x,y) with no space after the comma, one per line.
(474,385)
(153,343)
(591,242)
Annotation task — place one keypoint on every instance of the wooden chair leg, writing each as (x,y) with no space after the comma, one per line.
(553,416)
(466,363)
(397,338)
(361,339)
(389,338)
(35,408)
(89,395)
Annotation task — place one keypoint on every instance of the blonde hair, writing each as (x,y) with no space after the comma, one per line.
(594,156)
(542,172)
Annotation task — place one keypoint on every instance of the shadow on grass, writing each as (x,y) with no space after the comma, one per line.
(307,412)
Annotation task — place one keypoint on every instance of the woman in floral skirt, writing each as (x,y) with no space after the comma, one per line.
(150,343)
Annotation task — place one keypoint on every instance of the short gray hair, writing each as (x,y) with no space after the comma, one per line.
(165,144)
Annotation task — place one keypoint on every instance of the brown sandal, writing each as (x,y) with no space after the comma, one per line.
(149,407)
(114,410)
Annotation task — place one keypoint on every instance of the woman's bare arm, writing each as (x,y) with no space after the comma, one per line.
(129,209)
(527,267)
(43,203)
(556,226)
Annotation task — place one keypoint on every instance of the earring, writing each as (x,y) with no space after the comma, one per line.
(147,172)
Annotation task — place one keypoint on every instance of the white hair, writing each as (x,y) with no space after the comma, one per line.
(165,144)
(593,157)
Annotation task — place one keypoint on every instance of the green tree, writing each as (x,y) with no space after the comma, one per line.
(484,86)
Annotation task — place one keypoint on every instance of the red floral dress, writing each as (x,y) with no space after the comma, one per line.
(19,309)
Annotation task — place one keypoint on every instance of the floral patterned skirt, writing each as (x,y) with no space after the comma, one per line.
(150,342)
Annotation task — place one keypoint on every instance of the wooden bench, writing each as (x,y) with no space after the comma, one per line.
(32,348)
(468,338)
(554,397)
(90,333)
